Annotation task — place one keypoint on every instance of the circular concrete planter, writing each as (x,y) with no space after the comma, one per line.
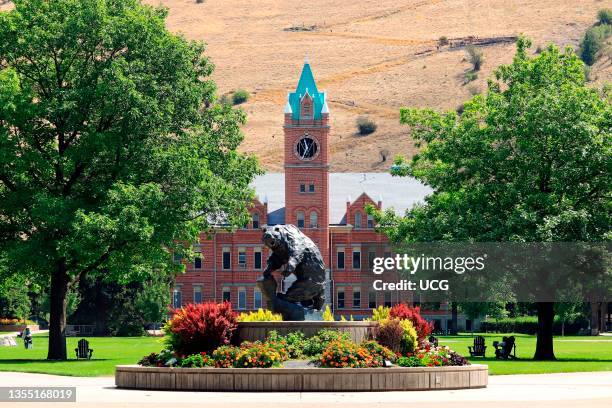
(253,331)
(302,379)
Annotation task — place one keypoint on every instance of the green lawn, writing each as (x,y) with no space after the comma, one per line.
(108,352)
(574,354)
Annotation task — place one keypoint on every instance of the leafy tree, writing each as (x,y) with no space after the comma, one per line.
(113,151)
(568,312)
(527,162)
(14,298)
(122,309)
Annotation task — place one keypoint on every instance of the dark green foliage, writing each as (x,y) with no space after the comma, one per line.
(528,161)
(593,42)
(365,126)
(529,325)
(475,57)
(197,361)
(293,342)
(470,76)
(604,16)
(316,344)
(14,299)
(113,152)
(240,96)
(122,310)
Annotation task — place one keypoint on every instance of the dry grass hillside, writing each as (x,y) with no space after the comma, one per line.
(372,56)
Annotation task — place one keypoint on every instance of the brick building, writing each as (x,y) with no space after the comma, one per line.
(317,201)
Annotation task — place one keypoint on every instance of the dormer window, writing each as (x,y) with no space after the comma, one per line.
(306,107)
(358,220)
(255,221)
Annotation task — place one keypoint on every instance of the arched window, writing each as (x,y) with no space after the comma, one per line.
(313,219)
(300,219)
(255,221)
(357,220)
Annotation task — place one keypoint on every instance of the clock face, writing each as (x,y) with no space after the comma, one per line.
(306,148)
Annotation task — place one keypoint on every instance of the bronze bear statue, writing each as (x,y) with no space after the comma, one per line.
(300,256)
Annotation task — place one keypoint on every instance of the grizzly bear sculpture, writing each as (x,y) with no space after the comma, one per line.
(300,256)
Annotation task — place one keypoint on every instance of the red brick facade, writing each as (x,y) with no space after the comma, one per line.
(232,275)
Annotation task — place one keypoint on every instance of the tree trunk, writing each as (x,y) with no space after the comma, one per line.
(454,313)
(563,328)
(57,318)
(544,345)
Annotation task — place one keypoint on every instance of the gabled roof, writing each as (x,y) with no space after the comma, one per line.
(306,84)
(401,193)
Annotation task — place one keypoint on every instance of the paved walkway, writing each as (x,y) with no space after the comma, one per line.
(510,391)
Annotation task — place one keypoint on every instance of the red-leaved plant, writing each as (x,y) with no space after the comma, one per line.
(404,312)
(195,328)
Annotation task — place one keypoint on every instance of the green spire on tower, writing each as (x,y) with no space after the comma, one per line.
(306,85)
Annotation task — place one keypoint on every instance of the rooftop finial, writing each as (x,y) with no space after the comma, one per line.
(306,59)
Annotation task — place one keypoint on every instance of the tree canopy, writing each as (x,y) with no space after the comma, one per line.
(529,161)
(113,149)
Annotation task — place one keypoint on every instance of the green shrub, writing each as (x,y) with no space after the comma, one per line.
(593,41)
(442,41)
(604,16)
(166,358)
(317,343)
(293,343)
(529,325)
(240,96)
(409,337)
(260,315)
(365,126)
(411,361)
(475,57)
(197,361)
(470,76)
(432,357)
(258,355)
(225,100)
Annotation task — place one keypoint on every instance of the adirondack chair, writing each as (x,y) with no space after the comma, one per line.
(506,348)
(433,340)
(83,350)
(479,348)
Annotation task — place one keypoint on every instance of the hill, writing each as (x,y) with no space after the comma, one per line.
(371,56)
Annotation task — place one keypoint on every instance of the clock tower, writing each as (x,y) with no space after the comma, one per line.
(306,131)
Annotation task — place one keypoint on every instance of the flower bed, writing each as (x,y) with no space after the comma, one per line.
(17,325)
(203,353)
